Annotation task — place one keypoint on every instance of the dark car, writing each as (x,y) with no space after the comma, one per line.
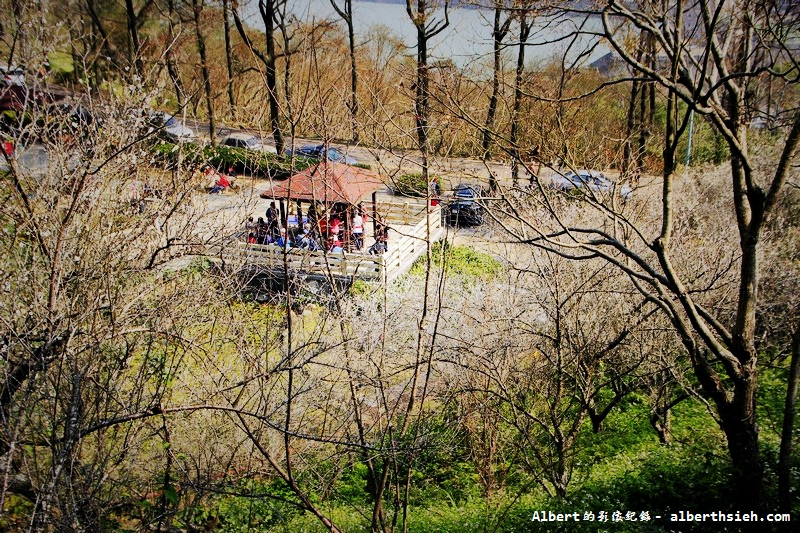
(67,121)
(321,152)
(464,209)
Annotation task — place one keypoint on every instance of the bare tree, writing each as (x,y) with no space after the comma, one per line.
(564,368)
(88,327)
(500,29)
(345,11)
(226,12)
(197,10)
(710,57)
(514,137)
(269,12)
(789,414)
(641,111)
(135,19)
(169,54)
(422,15)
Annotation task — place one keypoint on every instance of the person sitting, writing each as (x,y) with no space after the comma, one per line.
(377,249)
(381,240)
(221,184)
(310,243)
(262,232)
(334,244)
(251,238)
(211,175)
(283,241)
(306,240)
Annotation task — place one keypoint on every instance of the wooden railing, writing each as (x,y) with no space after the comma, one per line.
(336,264)
(406,213)
(406,243)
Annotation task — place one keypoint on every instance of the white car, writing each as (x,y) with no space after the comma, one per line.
(591,180)
(11,75)
(248,142)
(170,127)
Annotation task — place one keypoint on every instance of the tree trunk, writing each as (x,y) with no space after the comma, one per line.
(169,58)
(661,422)
(197,8)
(135,46)
(353,77)
(738,420)
(499,32)
(346,14)
(268,16)
(422,93)
(630,127)
(524,33)
(104,43)
(628,158)
(268,13)
(789,413)
(229,57)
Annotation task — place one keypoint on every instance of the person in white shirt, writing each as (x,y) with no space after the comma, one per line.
(358,230)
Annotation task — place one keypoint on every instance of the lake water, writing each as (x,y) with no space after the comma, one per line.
(466,41)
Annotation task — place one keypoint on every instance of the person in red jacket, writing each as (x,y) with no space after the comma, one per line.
(221,185)
(335,226)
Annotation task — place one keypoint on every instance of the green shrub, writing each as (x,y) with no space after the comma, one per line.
(360,287)
(252,506)
(413,184)
(224,157)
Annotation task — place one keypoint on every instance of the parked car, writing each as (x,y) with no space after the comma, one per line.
(248,142)
(63,121)
(169,127)
(75,116)
(464,208)
(591,180)
(321,152)
(11,75)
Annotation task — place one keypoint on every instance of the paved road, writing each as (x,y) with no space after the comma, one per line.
(453,170)
(35,160)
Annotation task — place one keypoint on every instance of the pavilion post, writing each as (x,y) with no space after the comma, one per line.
(299,214)
(374,212)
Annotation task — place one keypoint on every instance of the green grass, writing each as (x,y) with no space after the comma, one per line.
(460,260)
(61,62)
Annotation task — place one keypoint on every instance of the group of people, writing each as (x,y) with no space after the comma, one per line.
(218,182)
(335,232)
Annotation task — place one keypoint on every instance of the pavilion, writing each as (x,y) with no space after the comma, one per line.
(326,188)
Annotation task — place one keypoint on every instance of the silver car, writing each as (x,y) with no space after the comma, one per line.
(590,180)
(170,127)
(248,142)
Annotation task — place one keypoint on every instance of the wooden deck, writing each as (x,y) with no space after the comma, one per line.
(411,224)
